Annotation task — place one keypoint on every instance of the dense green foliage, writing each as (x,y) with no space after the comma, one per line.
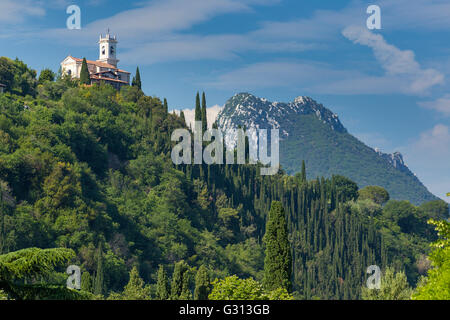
(233,288)
(134,290)
(88,168)
(17,77)
(24,274)
(377,194)
(394,286)
(436,286)
(46,75)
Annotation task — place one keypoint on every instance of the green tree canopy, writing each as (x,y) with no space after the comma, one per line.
(233,288)
(436,209)
(346,188)
(46,75)
(29,265)
(136,289)
(394,286)
(377,194)
(436,286)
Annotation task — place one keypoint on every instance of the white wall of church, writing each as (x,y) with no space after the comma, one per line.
(71,68)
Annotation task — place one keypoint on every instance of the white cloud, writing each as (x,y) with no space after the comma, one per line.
(211,115)
(18,11)
(429,158)
(396,62)
(436,142)
(311,77)
(416,15)
(155,20)
(441,105)
(403,74)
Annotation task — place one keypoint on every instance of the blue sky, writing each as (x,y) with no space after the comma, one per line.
(389,87)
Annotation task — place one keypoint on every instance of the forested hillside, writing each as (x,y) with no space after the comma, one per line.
(88,168)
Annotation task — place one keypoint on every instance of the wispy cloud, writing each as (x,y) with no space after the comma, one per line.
(155,20)
(428,156)
(211,115)
(396,62)
(441,105)
(17,11)
(314,77)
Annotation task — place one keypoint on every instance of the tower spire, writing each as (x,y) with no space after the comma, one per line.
(108,48)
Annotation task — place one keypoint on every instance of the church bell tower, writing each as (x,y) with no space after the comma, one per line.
(108,49)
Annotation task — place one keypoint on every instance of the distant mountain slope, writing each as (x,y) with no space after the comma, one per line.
(313,133)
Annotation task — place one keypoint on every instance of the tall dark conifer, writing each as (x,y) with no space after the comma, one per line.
(98,285)
(178,280)
(204,116)
(202,283)
(162,285)
(85,77)
(137,79)
(278,259)
(198,110)
(166,106)
(303,171)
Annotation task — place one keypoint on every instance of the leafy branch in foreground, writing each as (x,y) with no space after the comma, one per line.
(436,286)
(233,288)
(21,267)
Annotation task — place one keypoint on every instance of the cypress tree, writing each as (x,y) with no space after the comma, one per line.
(177,280)
(137,79)
(278,259)
(202,284)
(135,289)
(98,285)
(204,117)
(85,77)
(185,290)
(182,117)
(2,220)
(198,110)
(166,107)
(303,171)
(162,285)
(86,282)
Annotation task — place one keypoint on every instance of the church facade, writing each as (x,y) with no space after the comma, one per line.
(103,70)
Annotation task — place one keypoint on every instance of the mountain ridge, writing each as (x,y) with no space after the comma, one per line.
(309,131)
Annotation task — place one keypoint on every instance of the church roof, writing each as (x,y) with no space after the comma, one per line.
(96,77)
(100,64)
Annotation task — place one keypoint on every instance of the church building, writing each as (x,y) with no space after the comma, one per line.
(103,70)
